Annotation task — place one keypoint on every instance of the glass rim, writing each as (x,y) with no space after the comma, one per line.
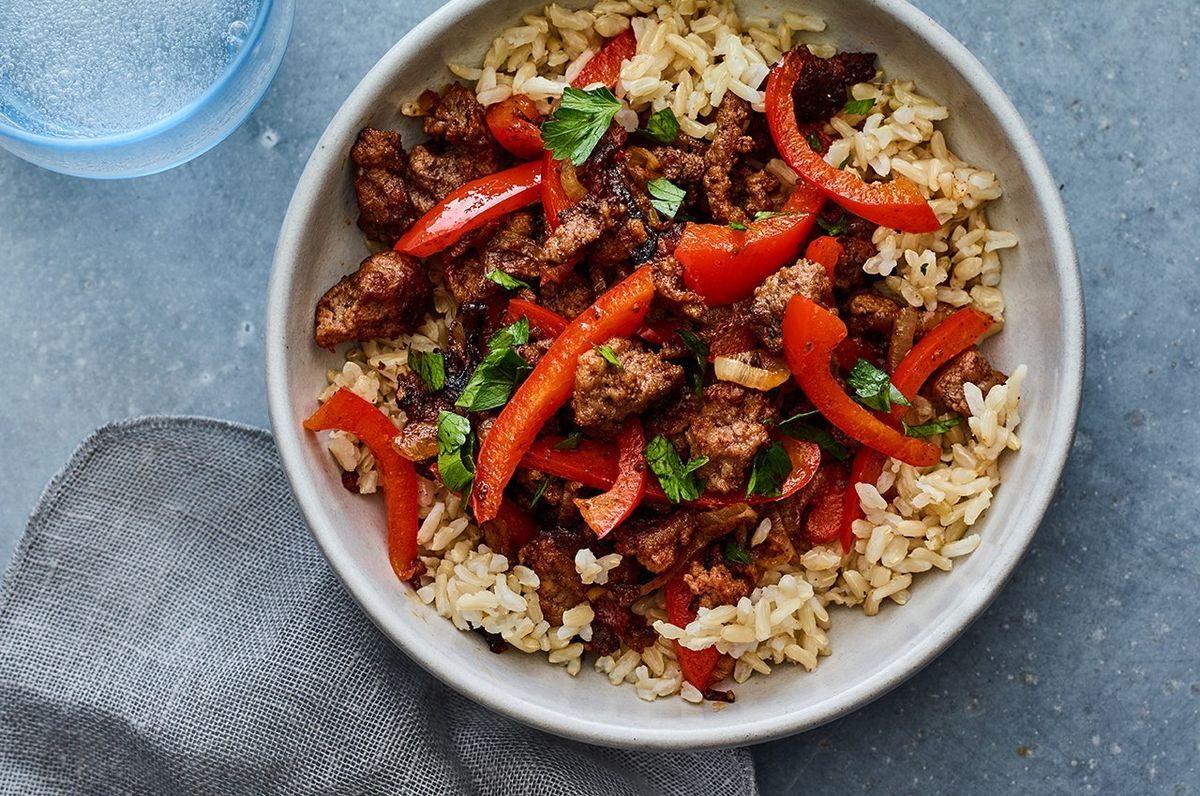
(183,114)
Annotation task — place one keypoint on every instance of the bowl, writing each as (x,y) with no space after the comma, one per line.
(319,243)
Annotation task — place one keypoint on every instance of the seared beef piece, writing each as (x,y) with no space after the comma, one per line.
(771,298)
(386,204)
(388,295)
(458,118)
(656,541)
(758,187)
(551,554)
(580,226)
(729,144)
(774,551)
(672,416)
(820,91)
(848,273)
(728,429)
(669,284)
(716,585)
(534,351)
(872,312)
(568,298)
(462,148)
(436,174)
(463,269)
(614,624)
(682,166)
(417,440)
(514,249)
(946,387)
(606,394)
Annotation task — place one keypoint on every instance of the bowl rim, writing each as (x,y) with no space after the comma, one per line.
(1047,203)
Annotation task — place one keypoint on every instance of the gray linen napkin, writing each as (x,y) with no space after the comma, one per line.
(168,626)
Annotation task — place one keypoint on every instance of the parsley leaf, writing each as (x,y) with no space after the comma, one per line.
(763,215)
(573,131)
(506,281)
(873,388)
(858,107)
(456,452)
(665,196)
(814,141)
(700,349)
(608,355)
(931,428)
(739,226)
(771,468)
(845,162)
(537,493)
(430,366)
(662,126)
(736,554)
(678,480)
(797,428)
(493,382)
(570,442)
(834,228)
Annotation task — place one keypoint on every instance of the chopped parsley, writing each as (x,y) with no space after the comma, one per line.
(858,107)
(430,366)
(456,452)
(736,554)
(493,382)
(579,123)
(537,493)
(608,355)
(873,389)
(665,196)
(662,126)
(739,226)
(771,468)
(570,442)
(678,480)
(845,162)
(931,428)
(834,228)
(798,428)
(814,141)
(763,215)
(506,281)
(700,349)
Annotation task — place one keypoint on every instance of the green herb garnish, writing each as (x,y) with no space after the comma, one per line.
(506,281)
(771,468)
(662,126)
(845,162)
(763,215)
(430,366)
(873,388)
(456,452)
(931,428)
(736,554)
(810,432)
(739,226)
(493,382)
(579,123)
(608,355)
(858,107)
(665,196)
(511,336)
(537,493)
(678,480)
(814,141)
(834,228)
(570,442)
(700,349)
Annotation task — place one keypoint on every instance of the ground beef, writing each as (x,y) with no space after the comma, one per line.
(771,298)
(820,90)
(436,174)
(872,312)
(551,554)
(758,187)
(684,167)
(388,295)
(728,146)
(458,118)
(656,542)
(605,394)
(417,440)
(728,429)
(386,203)
(570,297)
(716,585)
(946,387)
(514,249)
(669,284)
(580,226)
(848,273)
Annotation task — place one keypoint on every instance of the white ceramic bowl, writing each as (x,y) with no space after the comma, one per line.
(319,243)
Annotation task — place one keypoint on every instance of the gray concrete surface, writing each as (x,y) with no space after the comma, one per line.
(127,298)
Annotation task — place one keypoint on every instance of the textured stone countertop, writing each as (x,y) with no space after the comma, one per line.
(146,296)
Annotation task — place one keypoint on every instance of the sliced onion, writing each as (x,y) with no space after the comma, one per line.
(570,181)
(735,368)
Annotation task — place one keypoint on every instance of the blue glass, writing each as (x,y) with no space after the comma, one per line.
(121,89)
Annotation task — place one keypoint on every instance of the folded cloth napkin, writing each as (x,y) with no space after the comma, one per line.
(168,626)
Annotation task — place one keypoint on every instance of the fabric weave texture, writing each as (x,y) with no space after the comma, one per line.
(169,626)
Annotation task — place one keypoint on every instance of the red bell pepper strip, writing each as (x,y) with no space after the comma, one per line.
(546,322)
(607,510)
(516,523)
(594,464)
(348,412)
(897,204)
(949,339)
(824,521)
(850,350)
(554,196)
(697,665)
(826,251)
(865,469)
(617,313)
(810,335)
(605,66)
(724,265)
(514,123)
(471,206)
